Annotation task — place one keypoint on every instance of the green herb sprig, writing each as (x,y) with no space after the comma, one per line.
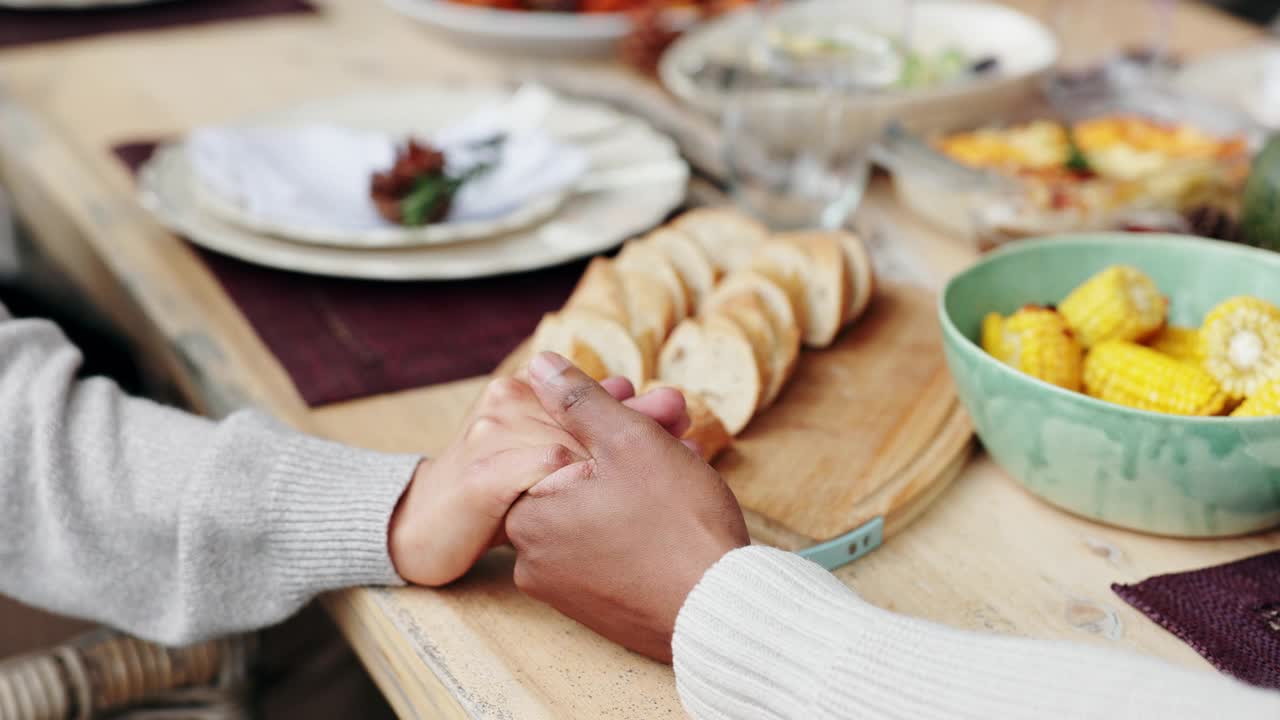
(1077,161)
(433,193)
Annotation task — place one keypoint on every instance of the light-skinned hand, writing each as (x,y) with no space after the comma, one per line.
(618,539)
(453,509)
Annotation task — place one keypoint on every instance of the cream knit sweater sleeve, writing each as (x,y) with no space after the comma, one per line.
(166,525)
(767,634)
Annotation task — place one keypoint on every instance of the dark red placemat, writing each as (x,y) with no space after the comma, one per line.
(22,27)
(344,339)
(1230,614)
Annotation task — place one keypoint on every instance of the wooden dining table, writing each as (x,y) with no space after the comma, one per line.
(986,555)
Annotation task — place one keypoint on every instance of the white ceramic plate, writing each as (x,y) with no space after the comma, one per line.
(534,211)
(1247,79)
(1024,47)
(539,33)
(421,112)
(585,225)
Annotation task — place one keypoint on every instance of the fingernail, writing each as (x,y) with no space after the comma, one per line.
(548,367)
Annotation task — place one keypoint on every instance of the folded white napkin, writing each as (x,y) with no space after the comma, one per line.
(318,175)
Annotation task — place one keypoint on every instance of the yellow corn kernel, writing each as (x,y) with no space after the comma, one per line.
(1036,341)
(1242,344)
(993,336)
(1180,343)
(1266,401)
(1119,303)
(1139,377)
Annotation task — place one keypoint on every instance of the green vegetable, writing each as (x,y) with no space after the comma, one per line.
(432,194)
(429,197)
(1077,161)
(950,63)
(920,70)
(1260,205)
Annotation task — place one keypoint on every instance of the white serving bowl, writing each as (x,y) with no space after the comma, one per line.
(1023,47)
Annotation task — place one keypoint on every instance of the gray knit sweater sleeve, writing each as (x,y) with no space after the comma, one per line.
(166,525)
(767,634)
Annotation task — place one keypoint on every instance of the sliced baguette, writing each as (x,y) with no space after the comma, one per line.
(612,343)
(712,356)
(788,267)
(727,235)
(638,256)
(826,284)
(650,310)
(554,335)
(689,260)
(777,307)
(861,274)
(749,314)
(705,429)
(600,291)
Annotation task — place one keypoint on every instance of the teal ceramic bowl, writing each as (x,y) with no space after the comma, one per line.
(1165,474)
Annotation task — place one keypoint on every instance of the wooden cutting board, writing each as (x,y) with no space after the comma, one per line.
(864,436)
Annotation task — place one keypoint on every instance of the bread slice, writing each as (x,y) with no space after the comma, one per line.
(611,342)
(861,274)
(643,257)
(777,307)
(554,335)
(712,356)
(689,260)
(705,428)
(788,267)
(727,235)
(749,314)
(600,291)
(827,284)
(650,310)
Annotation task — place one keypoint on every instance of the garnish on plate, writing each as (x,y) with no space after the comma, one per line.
(418,189)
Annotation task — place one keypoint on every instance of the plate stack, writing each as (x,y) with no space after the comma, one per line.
(631,178)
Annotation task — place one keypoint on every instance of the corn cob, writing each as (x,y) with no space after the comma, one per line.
(1119,303)
(1266,401)
(1180,343)
(1036,341)
(1135,376)
(1242,344)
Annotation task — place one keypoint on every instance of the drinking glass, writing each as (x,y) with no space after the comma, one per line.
(801,117)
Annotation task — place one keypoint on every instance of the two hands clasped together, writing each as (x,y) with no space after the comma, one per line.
(614,520)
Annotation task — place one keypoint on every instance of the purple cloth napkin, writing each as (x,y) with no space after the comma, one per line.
(344,339)
(23,27)
(1230,614)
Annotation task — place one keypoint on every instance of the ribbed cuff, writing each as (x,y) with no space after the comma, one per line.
(331,507)
(756,633)
(767,634)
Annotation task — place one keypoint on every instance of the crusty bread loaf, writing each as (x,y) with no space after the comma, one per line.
(610,341)
(639,256)
(705,429)
(741,304)
(861,274)
(826,282)
(712,356)
(689,260)
(781,314)
(727,235)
